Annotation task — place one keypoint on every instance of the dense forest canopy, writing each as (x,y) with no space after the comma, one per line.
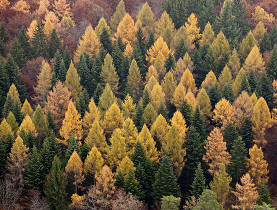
(166,104)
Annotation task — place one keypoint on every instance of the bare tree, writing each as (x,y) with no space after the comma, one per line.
(9,193)
(126,202)
(92,200)
(38,203)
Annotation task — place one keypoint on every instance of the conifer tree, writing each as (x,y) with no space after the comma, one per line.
(11,120)
(34,171)
(247,44)
(105,40)
(206,13)
(224,78)
(179,95)
(5,129)
(131,185)
(240,12)
(209,81)
(228,93)
(59,70)
(159,129)
(223,113)
(126,30)
(188,81)
(234,63)
(3,159)
(159,48)
(207,36)
(230,135)
(72,81)
(220,46)
(40,122)
(106,99)
(3,32)
(198,123)
(28,126)
(134,78)
(38,41)
(118,15)
(254,61)
(128,107)
(192,29)
(82,102)
(94,162)
(72,146)
(199,182)
(264,195)
(165,181)
(55,189)
(247,134)
(177,11)
(257,166)
(221,184)
(208,201)
(216,151)
(272,64)
(169,86)
(157,96)
(264,89)
(119,180)
(54,43)
(187,111)
(265,43)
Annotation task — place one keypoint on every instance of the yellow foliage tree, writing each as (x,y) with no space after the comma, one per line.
(223,113)
(151,72)
(93,162)
(159,65)
(147,18)
(101,25)
(62,8)
(188,81)
(91,116)
(188,63)
(130,134)
(247,44)
(234,63)
(159,48)
(209,81)
(261,15)
(148,143)
(220,46)
(106,100)
(5,129)
(26,108)
(128,52)
(48,28)
(14,94)
(113,119)
(259,31)
(28,126)
(4,4)
(134,78)
(118,15)
(164,22)
(89,43)
(149,114)
(75,166)
(179,95)
(182,34)
(204,103)
(224,78)
(32,28)
(237,82)
(157,96)
(254,98)
(257,166)
(169,86)
(192,29)
(190,98)
(159,129)
(179,122)
(254,61)
(72,124)
(128,107)
(207,36)
(108,73)
(72,81)
(21,6)
(125,165)
(261,120)
(127,30)
(216,151)
(150,84)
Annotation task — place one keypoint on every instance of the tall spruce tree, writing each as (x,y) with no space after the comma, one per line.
(39,41)
(247,133)
(271,67)
(177,11)
(240,13)
(230,135)
(54,43)
(199,182)
(106,41)
(264,89)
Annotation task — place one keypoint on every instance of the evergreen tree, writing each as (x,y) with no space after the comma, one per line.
(169,63)
(187,111)
(230,135)
(34,171)
(72,146)
(181,50)
(245,85)
(206,13)
(252,80)
(119,180)
(271,67)
(247,133)
(163,111)
(273,35)
(17,52)
(131,185)
(4,38)
(151,41)
(139,56)
(97,93)
(264,89)
(3,159)
(54,43)
(214,95)
(55,189)
(208,201)
(227,93)
(177,11)
(4,85)
(106,40)
(59,67)
(139,119)
(265,44)
(264,195)
(51,122)
(198,123)
(240,12)
(199,182)
(39,41)
(165,181)
(82,102)
(67,57)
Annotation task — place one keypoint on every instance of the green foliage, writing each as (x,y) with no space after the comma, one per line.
(72,145)
(131,185)
(3,159)
(208,201)
(59,67)
(187,111)
(199,182)
(214,95)
(106,41)
(139,119)
(271,67)
(265,196)
(230,135)
(264,89)
(177,11)
(228,93)
(246,133)
(38,41)
(54,44)
(170,202)
(119,180)
(82,102)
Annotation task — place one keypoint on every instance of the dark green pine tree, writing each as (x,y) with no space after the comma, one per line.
(55,189)
(72,145)
(59,67)
(265,89)
(128,90)
(245,85)
(141,42)
(9,143)
(214,95)
(199,182)
(195,151)
(51,122)
(106,41)
(165,181)
(117,59)
(151,41)
(163,111)
(228,24)
(39,42)
(228,93)
(238,161)
(252,80)
(169,63)
(271,67)
(273,35)
(145,98)
(221,64)
(131,185)
(24,41)
(84,151)
(181,50)
(119,180)
(18,52)
(187,111)
(207,13)
(97,93)
(139,119)
(140,58)
(34,173)
(199,70)
(28,138)
(67,57)
(265,196)
(247,134)
(120,44)
(3,159)
(265,44)
(198,123)
(49,149)
(177,11)
(54,44)
(240,13)
(82,102)
(4,38)
(87,79)
(16,110)
(4,86)
(230,135)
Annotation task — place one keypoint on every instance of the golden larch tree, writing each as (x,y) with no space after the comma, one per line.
(93,162)
(72,81)
(5,129)
(159,65)
(150,84)
(188,63)
(223,113)
(182,34)
(57,102)
(106,100)
(157,96)
(188,81)
(237,82)
(72,124)
(119,14)
(134,78)
(254,99)
(89,43)
(62,8)
(128,107)
(150,114)
(164,22)
(48,28)
(101,25)
(13,92)
(259,31)
(4,4)
(209,81)
(261,120)
(159,48)
(220,46)
(159,129)
(247,44)
(179,122)
(128,52)
(169,86)
(21,6)
(113,119)
(246,193)
(127,30)
(216,151)
(90,116)
(224,78)
(147,18)
(190,98)
(75,166)
(208,35)
(44,83)
(130,134)
(125,165)
(204,103)
(234,63)
(148,144)
(28,126)
(257,166)
(254,61)
(261,15)
(179,95)
(152,71)
(108,74)
(192,29)
(26,108)
(32,28)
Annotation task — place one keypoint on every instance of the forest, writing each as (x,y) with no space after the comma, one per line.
(136,105)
